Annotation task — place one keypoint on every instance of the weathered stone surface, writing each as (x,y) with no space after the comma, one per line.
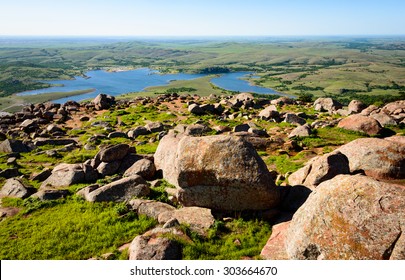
(241,128)
(294,119)
(144,168)
(394,108)
(113,153)
(154,127)
(282,100)
(139,130)
(320,169)
(356,106)
(64,175)
(50,194)
(199,219)
(301,131)
(216,172)
(41,176)
(54,142)
(13,146)
(108,168)
(153,245)
(196,109)
(361,123)
(327,105)
(103,101)
(384,119)
(150,208)
(14,187)
(349,217)
(196,129)
(275,246)
(378,158)
(120,190)
(269,112)
(117,134)
(369,110)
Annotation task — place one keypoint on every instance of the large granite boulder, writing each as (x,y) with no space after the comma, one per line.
(150,208)
(103,101)
(320,169)
(143,167)
(350,217)
(378,158)
(269,112)
(356,106)
(361,123)
(216,172)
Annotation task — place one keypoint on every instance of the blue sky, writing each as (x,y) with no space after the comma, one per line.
(201,17)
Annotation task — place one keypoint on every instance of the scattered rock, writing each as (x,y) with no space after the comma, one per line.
(269,112)
(14,187)
(275,246)
(9,173)
(64,175)
(13,146)
(50,194)
(378,158)
(294,119)
(150,208)
(327,105)
(349,217)
(41,176)
(154,245)
(361,123)
(356,106)
(199,219)
(144,168)
(320,169)
(195,109)
(120,190)
(113,153)
(301,131)
(154,127)
(384,119)
(103,101)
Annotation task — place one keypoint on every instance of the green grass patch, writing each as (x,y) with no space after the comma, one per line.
(230,241)
(79,156)
(331,136)
(68,229)
(285,163)
(148,148)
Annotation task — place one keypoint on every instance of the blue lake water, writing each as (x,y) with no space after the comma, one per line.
(116,83)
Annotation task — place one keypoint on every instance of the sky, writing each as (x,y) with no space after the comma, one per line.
(201,17)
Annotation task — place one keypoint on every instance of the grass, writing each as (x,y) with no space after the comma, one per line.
(331,136)
(284,163)
(229,241)
(68,229)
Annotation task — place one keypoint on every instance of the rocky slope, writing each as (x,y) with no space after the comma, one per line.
(337,172)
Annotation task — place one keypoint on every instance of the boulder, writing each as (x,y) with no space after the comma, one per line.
(139,130)
(301,131)
(64,175)
(327,105)
(378,158)
(54,142)
(356,106)
(394,108)
(196,129)
(50,194)
(14,187)
(361,123)
(320,169)
(384,119)
(154,245)
(103,101)
(154,127)
(241,127)
(369,110)
(144,168)
(199,219)
(150,208)
(275,248)
(196,109)
(269,112)
(108,168)
(350,217)
(13,146)
(41,176)
(294,119)
(216,172)
(120,190)
(282,100)
(113,153)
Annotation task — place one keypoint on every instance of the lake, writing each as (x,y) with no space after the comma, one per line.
(117,83)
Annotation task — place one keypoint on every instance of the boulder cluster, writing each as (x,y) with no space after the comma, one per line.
(345,204)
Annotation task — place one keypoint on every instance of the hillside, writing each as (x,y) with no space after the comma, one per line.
(213,177)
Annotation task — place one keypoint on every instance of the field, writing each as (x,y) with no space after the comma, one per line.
(337,66)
